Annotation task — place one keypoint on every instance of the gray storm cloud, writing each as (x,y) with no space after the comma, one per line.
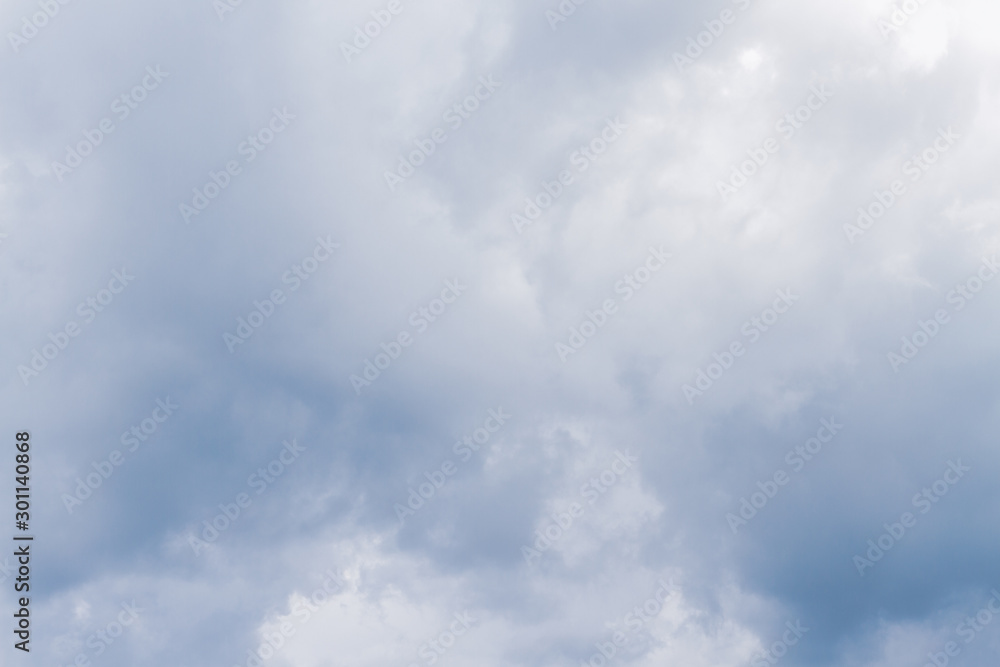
(560,333)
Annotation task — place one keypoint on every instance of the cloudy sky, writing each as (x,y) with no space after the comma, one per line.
(513,333)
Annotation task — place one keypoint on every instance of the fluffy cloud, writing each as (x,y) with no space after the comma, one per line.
(535,167)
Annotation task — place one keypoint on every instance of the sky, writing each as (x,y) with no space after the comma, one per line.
(532,334)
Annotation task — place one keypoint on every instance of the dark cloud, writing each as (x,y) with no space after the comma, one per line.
(367,445)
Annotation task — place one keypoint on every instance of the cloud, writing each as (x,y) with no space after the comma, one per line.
(614,153)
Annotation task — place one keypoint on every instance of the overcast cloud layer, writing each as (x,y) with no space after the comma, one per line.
(502,329)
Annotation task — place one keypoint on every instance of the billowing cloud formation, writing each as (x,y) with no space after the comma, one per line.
(504,333)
